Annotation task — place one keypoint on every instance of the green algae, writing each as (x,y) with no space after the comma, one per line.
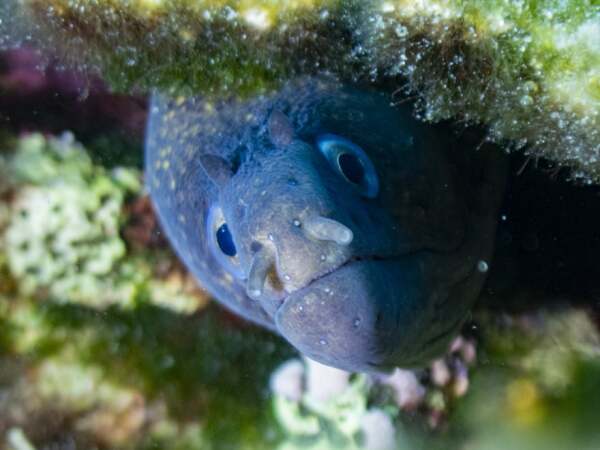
(527,70)
(538,385)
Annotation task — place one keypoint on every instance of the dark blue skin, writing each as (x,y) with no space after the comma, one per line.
(387,278)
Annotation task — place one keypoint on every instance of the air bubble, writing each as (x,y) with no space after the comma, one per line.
(322,342)
(356,322)
(482,266)
(526,100)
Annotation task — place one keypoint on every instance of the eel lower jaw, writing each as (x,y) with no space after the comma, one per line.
(322,276)
(342,318)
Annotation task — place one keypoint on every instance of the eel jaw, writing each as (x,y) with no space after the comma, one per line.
(356,316)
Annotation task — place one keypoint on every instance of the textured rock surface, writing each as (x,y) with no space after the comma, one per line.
(528,70)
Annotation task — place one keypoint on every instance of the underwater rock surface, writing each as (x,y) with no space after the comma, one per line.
(528,70)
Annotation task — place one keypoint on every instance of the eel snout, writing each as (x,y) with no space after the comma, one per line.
(315,228)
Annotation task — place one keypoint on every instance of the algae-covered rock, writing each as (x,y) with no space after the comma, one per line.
(137,378)
(209,45)
(67,230)
(528,70)
(63,233)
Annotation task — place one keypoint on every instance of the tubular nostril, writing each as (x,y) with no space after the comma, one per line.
(259,271)
(325,229)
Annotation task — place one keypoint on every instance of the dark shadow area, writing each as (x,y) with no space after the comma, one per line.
(36,95)
(548,240)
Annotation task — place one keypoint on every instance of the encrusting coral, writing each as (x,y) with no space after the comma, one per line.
(66,229)
(63,234)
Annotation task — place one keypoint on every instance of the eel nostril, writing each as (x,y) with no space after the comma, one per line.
(325,229)
(259,270)
(273,279)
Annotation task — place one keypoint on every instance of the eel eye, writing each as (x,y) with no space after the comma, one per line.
(225,240)
(351,162)
(221,243)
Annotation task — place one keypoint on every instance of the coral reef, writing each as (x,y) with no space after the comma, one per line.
(527,70)
(131,357)
(63,238)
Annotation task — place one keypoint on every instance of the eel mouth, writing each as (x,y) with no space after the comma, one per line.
(371,311)
(350,317)
(349,262)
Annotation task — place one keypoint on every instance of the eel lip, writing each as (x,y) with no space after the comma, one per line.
(348,317)
(347,263)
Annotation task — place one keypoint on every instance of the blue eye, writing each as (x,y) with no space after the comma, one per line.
(351,162)
(225,240)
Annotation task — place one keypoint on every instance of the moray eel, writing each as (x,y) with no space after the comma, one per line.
(328,215)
